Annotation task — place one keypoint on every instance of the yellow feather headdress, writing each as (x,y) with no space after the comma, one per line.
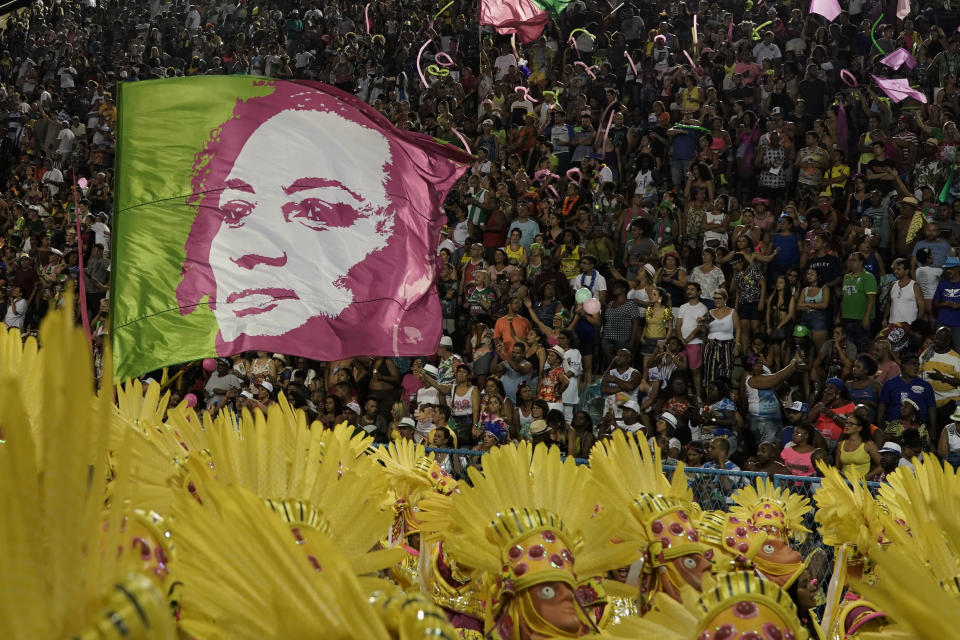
(661,511)
(529,518)
(775,509)
(738,605)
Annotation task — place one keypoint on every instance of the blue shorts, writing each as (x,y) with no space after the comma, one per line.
(815,320)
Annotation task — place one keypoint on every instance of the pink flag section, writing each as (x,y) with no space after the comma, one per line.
(899,57)
(903,9)
(899,89)
(521,17)
(829,9)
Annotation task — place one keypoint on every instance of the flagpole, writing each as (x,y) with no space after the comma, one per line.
(84,316)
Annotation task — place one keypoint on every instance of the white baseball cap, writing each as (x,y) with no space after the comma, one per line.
(669,418)
(446,341)
(631,404)
(892,447)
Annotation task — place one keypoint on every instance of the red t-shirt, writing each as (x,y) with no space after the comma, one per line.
(830,429)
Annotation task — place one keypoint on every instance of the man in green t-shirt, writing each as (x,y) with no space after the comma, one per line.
(859,301)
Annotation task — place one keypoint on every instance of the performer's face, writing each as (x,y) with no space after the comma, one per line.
(555,604)
(692,568)
(296,219)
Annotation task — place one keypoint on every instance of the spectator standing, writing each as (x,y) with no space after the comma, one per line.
(946,299)
(857,309)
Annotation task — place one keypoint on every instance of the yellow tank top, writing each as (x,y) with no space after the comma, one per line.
(858,460)
(570,262)
(514,255)
(866,156)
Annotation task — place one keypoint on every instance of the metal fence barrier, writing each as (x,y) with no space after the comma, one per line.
(713,488)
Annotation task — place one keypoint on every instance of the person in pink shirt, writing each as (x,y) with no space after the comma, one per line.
(887,367)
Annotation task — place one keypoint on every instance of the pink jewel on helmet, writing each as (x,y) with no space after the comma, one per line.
(536,551)
(746,610)
(516,552)
(693,536)
(682,514)
(772,632)
(549,536)
(725,632)
(556,561)
(567,556)
(676,529)
(744,547)
(741,532)
(656,527)
(665,542)
(520,569)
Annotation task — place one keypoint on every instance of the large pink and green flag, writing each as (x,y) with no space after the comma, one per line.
(257,214)
(526,18)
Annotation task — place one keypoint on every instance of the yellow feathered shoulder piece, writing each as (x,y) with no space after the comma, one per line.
(777,510)
(60,573)
(246,576)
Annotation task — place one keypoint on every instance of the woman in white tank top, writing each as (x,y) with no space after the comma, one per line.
(723,339)
(464,402)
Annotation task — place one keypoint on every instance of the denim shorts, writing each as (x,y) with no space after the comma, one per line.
(815,320)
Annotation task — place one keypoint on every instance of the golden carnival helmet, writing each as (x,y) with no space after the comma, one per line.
(630,480)
(776,510)
(60,571)
(526,529)
(738,545)
(245,576)
(739,606)
(922,595)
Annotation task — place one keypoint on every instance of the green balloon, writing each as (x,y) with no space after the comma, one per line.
(583,294)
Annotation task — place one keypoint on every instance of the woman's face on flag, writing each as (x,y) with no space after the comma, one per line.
(297,215)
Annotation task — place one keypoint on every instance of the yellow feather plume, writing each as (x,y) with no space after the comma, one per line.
(625,470)
(847,513)
(923,562)
(60,570)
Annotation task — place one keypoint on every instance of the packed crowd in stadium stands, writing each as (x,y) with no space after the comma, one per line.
(741,247)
